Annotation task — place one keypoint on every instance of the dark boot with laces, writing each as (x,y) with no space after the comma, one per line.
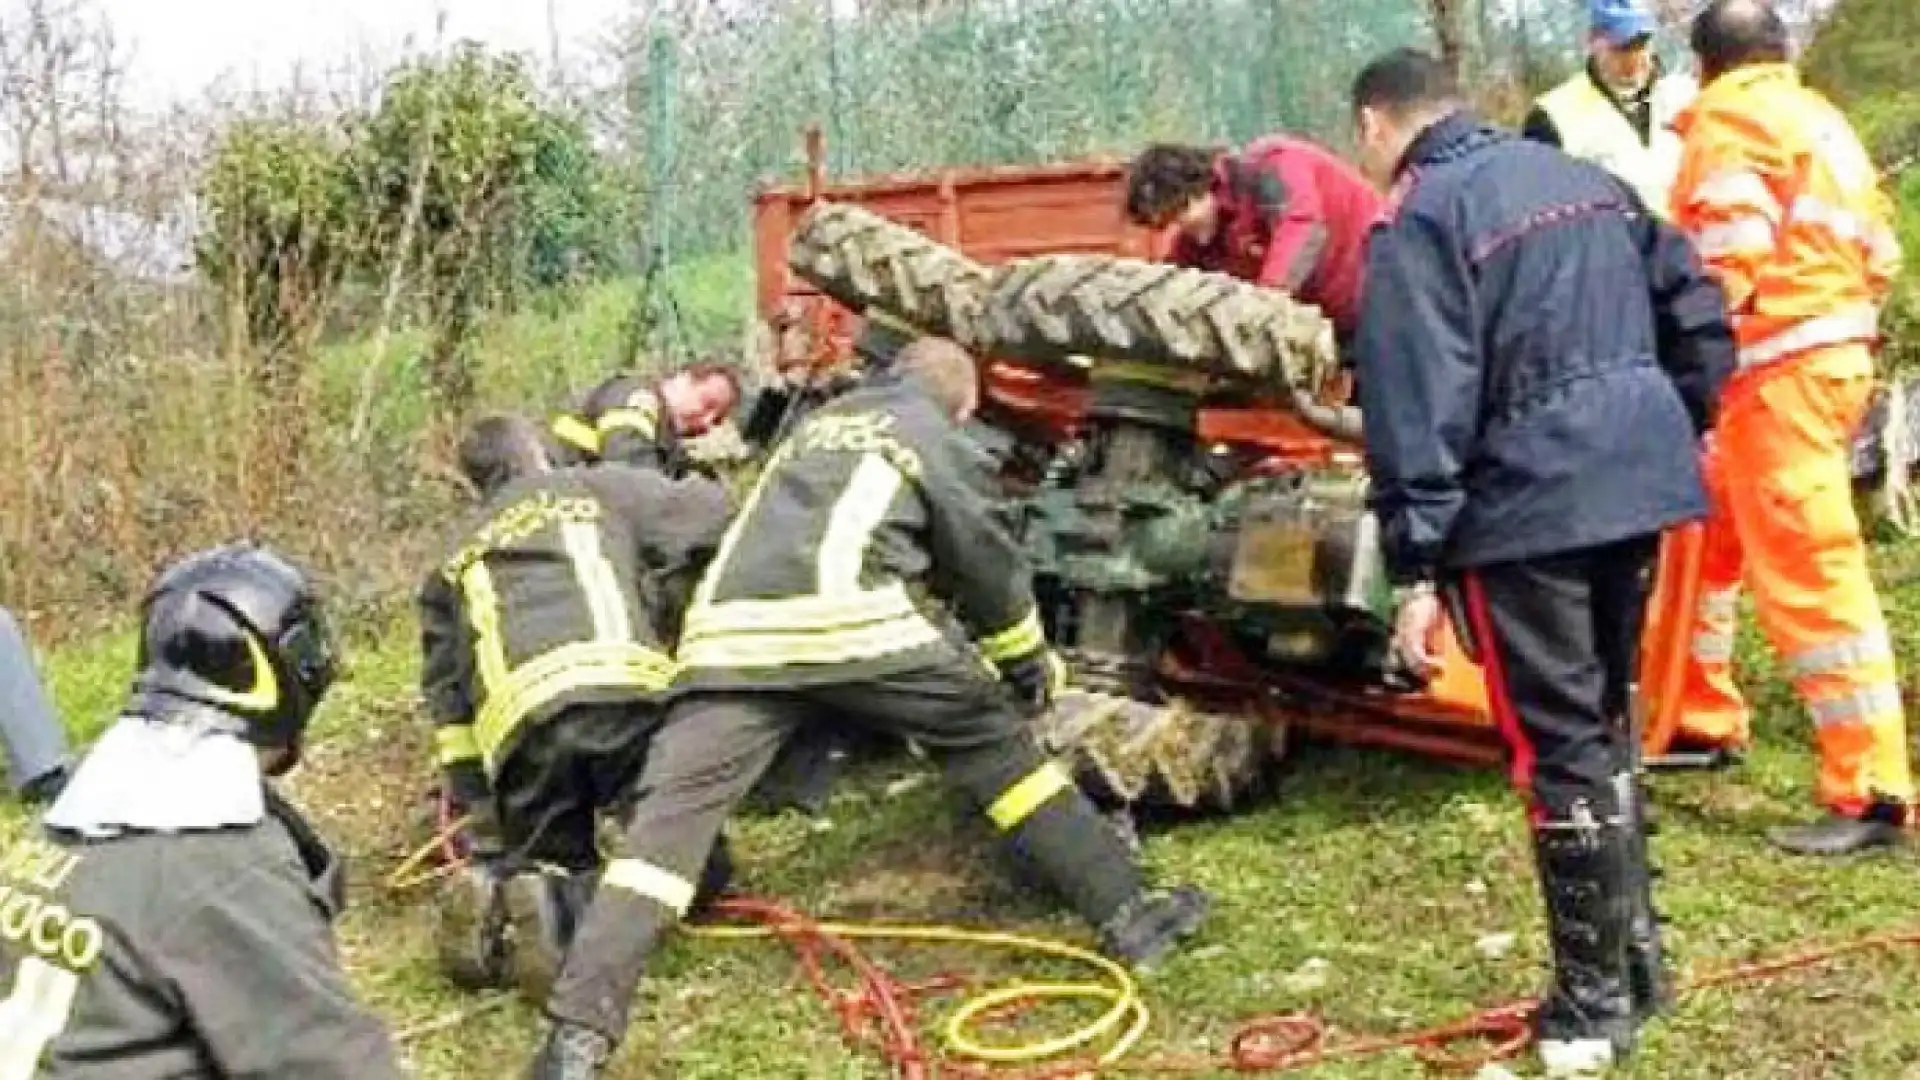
(571,1052)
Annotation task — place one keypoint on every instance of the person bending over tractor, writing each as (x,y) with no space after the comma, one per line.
(631,420)
(544,639)
(808,615)
(1538,359)
(30,731)
(1282,212)
(175,918)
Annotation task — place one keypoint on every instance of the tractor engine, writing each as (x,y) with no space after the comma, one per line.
(1138,534)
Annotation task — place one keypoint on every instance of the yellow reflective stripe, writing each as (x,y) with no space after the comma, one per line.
(606,603)
(858,511)
(796,646)
(1017,803)
(801,614)
(1738,189)
(1837,656)
(644,421)
(455,744)
(1737,237)
(574,431)
(1854,323)
(650,882)
(483,612)
(577,666)
(1022,638)
(723,555)
(1868,701)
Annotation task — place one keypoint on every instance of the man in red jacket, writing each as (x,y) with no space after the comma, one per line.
(1282,212)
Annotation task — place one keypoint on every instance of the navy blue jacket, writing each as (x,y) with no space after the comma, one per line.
(1537,357)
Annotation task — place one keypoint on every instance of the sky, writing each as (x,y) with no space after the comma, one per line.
(181,47)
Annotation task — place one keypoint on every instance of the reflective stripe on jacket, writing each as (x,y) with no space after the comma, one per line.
(1786,209)
(562,595)
(873,503)
(622,419)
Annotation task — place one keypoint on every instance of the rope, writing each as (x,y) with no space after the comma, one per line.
(879,1014)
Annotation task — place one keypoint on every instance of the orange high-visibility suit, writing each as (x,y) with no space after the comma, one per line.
(1786,209)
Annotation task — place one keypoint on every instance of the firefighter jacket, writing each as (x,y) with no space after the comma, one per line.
(1538,358)
(1787,211)
(872,510)
(568,591)
(206,952)
(623,420)
(1294,217)
(1632,138)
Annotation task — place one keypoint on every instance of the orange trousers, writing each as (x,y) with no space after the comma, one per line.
(1782,523)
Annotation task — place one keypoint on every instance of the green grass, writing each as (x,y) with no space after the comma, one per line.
(1360,892)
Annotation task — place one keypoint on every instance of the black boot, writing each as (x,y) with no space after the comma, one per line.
(1838,834)
(1586,1022)
(571,1052)
(1652,985)
(1150,926)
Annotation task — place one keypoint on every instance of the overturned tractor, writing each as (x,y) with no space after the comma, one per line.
(1213,594)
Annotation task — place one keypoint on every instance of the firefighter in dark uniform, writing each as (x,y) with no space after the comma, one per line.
(545,639)
(632,420)
(174,917)
(807,614)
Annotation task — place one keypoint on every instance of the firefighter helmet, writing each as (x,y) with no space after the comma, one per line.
(239,629)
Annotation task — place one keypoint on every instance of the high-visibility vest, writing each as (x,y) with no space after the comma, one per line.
(1786,209)
(1593,128)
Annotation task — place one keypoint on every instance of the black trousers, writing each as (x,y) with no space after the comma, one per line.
(1559,640)
(564,774)
(715,746)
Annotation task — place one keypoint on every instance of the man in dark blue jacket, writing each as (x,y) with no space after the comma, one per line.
(1538,357)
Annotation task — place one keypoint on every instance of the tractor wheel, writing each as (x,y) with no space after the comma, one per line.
(1170,757)
(866,261)
(1056,307)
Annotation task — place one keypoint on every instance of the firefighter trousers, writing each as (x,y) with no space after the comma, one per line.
(564,773)
(1559,639)
(715,746)
(1783,525)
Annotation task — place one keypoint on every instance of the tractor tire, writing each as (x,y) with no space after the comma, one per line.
(1053,308)
(869,262)
(1160,758)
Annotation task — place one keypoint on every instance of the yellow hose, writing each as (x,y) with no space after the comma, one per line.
(1119,991)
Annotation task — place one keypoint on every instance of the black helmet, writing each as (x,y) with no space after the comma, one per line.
(239,629)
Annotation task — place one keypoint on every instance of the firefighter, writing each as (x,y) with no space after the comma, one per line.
(174,918)
(807,615)
(1282,212)
(1537,360)
(1618,112)
(628,419)
(30,731)
(545,634)
(1786,209)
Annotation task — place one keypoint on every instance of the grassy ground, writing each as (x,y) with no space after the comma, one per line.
(1365,891)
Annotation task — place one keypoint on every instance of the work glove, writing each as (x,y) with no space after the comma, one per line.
(1036,678)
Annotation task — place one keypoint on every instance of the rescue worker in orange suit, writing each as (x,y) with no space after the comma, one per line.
(1283,213)
(544,662)
(1786,210)
(815,611)
(1538,359)
(629,419)
(1618,111)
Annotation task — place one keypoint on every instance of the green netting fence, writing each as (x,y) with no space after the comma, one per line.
(908,85)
